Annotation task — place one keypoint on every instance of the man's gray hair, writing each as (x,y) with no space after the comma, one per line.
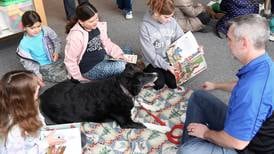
(252,26)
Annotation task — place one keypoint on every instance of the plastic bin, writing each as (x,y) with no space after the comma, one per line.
(12,15)
(10,2)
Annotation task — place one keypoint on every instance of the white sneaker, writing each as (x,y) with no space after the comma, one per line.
(129,15)
(179,89)
(271,37)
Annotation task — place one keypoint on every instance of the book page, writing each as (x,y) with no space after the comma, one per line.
(70,133)
(182,48)
(129,58)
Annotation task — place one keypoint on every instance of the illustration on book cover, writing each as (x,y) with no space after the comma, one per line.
(183,54)
(70,133)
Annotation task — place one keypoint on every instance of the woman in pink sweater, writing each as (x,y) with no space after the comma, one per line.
(88,46)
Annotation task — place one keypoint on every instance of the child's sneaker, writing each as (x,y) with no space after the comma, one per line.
(271,37)
(179,89)
(220,34)
(129,15)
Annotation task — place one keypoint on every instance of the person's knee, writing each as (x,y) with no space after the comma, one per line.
(196,96)
(189,148)
(159,83)
(198,146)
(120,67)
(184,150)
(170,81)
(172,85)
(200,93)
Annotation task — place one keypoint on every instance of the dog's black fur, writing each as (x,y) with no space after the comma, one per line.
(98,101)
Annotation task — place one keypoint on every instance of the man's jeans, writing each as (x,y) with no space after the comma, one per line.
(70,7)
(207,109)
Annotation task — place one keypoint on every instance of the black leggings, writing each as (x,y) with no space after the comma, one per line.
(204,18)
(164,77)
(272,6)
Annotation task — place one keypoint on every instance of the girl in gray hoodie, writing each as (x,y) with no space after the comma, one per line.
(158,30)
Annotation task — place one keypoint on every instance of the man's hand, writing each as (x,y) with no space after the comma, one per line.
(55,56)
(208,85)
(197,130)
(226,86)
(220,138)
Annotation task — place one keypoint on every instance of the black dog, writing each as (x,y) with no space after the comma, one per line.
(99,101)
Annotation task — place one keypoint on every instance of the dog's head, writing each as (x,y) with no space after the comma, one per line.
(134,79)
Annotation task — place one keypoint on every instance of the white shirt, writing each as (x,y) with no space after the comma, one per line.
(16,144)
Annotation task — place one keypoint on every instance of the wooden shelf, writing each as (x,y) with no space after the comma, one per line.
(39,7)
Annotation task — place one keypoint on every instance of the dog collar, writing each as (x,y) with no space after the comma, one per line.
(126,91)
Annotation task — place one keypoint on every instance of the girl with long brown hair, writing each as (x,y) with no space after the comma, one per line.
(20,119)
(88,46)
(158,30)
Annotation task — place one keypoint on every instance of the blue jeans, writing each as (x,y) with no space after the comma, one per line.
(108,68)
(125,5)
(70,7)
(207,109)
(105,69)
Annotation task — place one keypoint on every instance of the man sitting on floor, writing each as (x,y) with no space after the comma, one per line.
(246,125)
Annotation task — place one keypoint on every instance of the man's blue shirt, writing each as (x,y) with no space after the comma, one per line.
(252,99)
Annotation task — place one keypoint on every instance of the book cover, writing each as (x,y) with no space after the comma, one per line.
(70,133)
(183,54)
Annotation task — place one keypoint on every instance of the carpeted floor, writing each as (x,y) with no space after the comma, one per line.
(109,138)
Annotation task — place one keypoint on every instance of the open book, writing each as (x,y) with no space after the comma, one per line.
(129,58)
(183,54)
(70,133)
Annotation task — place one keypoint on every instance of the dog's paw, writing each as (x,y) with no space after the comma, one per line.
(162,129)
(134,125)
(139,102)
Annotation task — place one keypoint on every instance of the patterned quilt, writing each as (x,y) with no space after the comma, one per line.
(109,138)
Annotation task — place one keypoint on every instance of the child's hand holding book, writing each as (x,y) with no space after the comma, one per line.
(127,58)
(53,140)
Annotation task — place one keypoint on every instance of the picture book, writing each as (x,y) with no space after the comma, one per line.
(183,54)
(129,58)
(70,133)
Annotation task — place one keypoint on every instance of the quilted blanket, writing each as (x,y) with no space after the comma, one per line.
(109,138)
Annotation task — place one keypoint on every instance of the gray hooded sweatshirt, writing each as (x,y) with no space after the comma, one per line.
(155,38)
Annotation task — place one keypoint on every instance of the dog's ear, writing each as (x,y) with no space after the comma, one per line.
(136,86)
(130,69)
